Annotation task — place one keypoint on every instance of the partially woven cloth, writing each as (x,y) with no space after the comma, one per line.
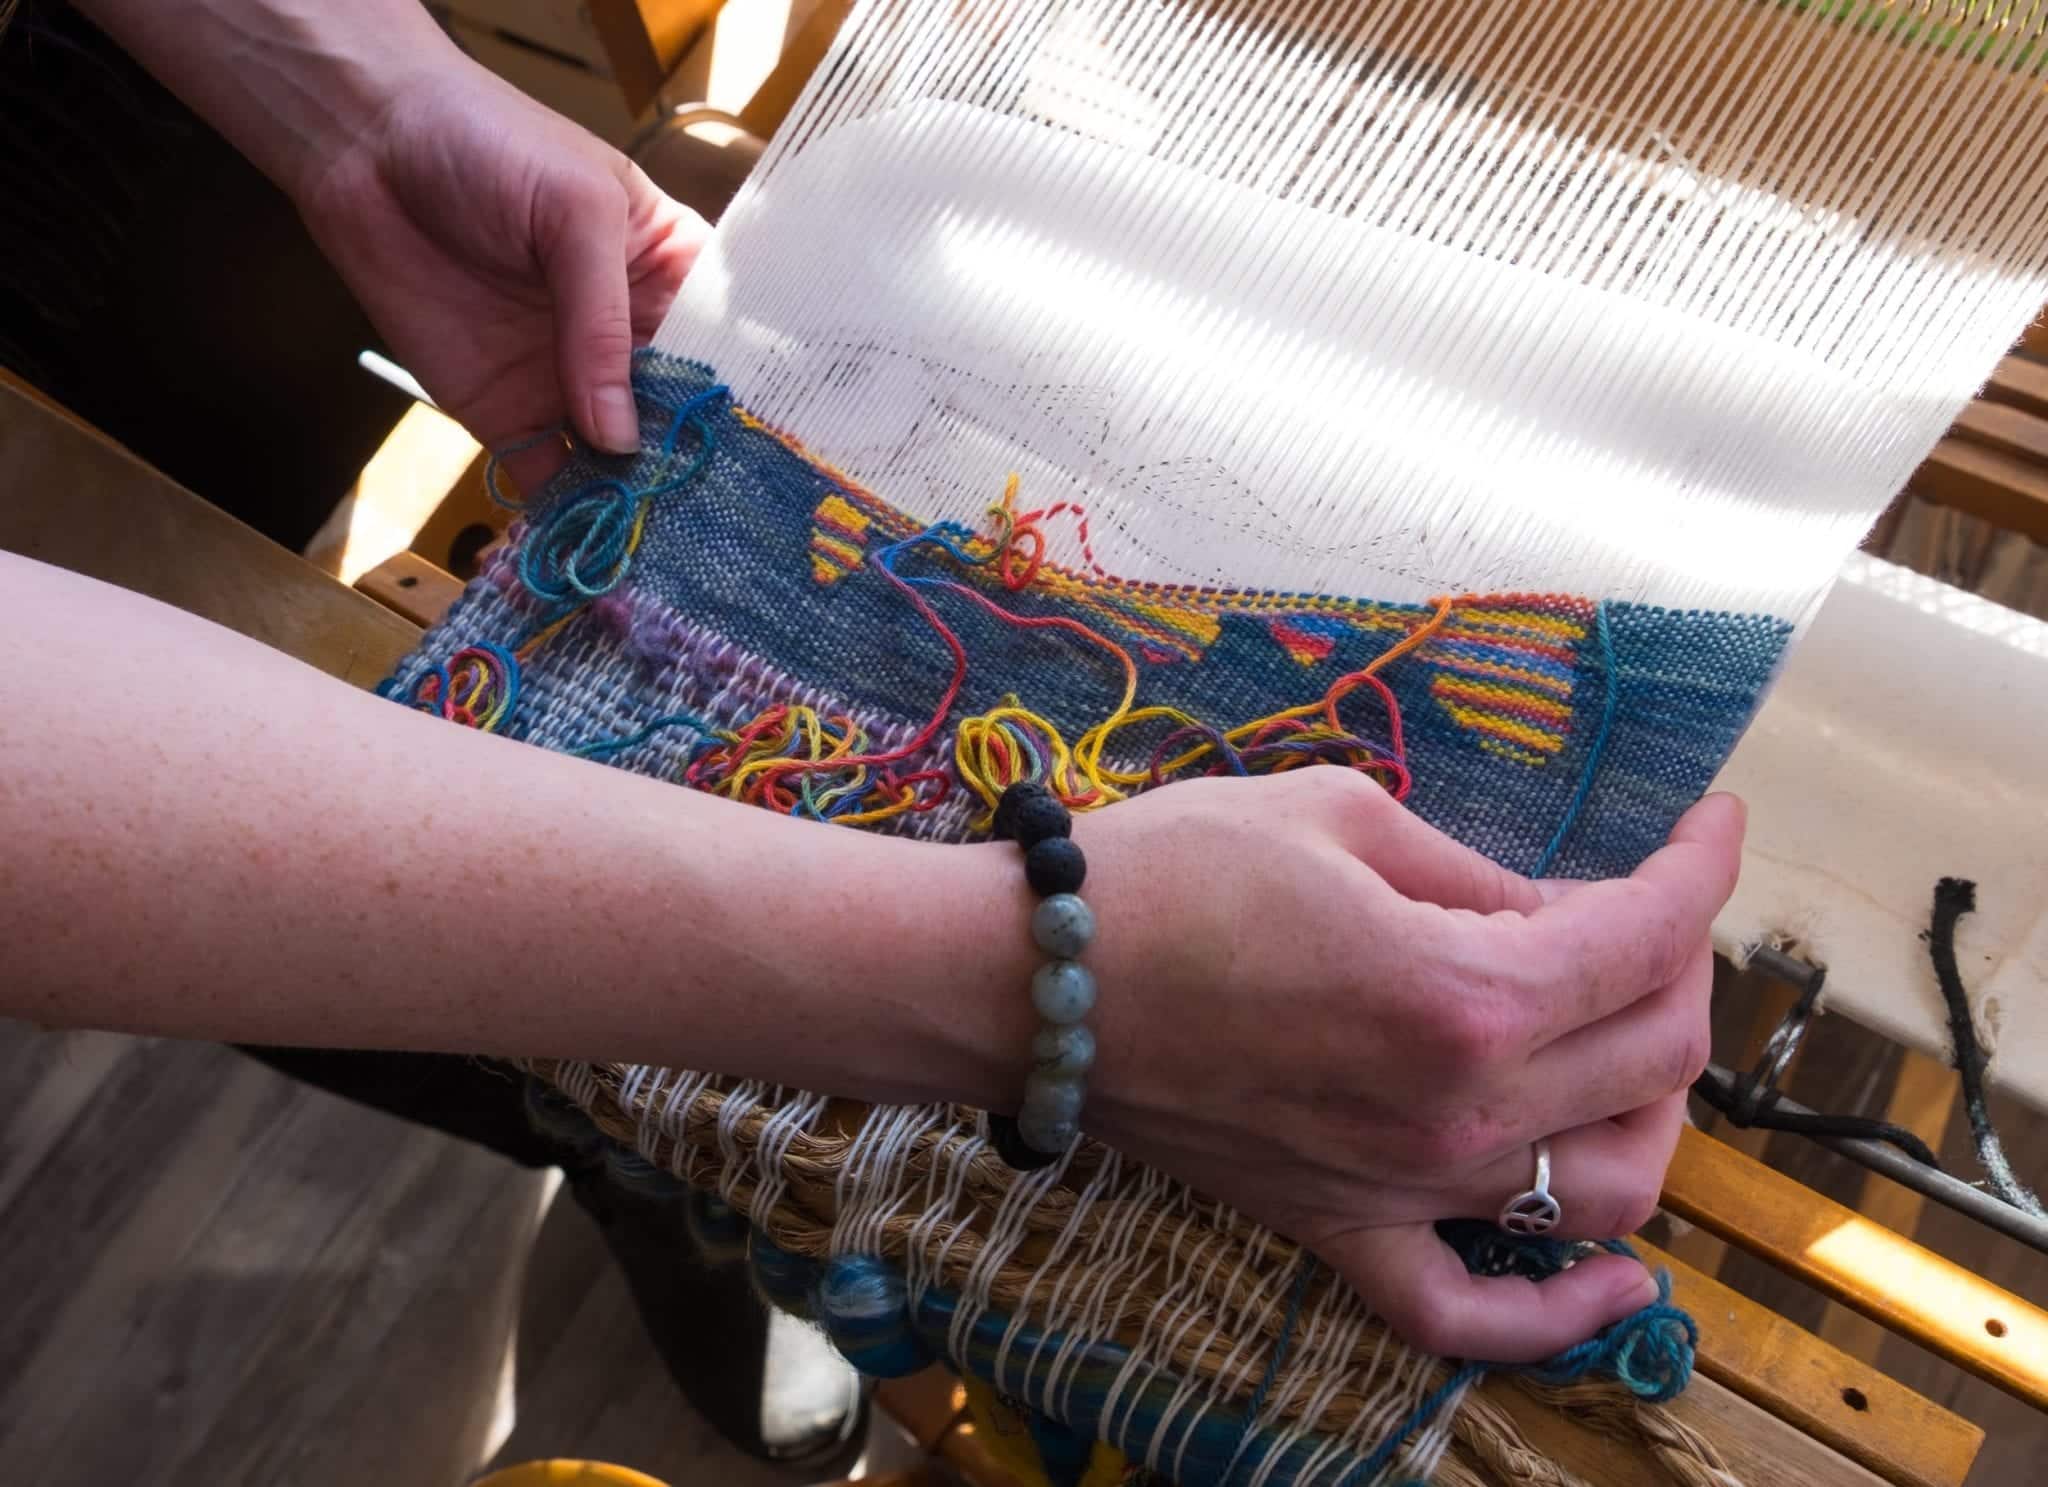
(681,615)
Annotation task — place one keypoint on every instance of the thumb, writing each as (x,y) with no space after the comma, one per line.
(1421,1289)
(585,265)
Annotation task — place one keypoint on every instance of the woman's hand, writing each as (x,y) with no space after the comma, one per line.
(512,259)
(1322,1011)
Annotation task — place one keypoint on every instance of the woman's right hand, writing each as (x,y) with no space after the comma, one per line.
(1319,1009)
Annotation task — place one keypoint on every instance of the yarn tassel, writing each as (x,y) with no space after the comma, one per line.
(863,1305)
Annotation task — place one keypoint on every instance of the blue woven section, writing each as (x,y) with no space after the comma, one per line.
(1084,1390)
(721,616)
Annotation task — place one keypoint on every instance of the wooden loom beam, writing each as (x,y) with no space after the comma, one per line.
(1912,1291)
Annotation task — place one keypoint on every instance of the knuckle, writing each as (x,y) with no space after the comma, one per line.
(1453,1139)
(1629,1207)
(1693,1051)
(1476,1030)
(1681,1054)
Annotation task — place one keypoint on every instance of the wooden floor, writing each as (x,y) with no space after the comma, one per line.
(218,1277)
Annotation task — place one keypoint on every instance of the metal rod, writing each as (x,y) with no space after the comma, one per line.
(1930,1182)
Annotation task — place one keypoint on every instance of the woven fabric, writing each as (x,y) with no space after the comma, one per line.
(755,585)
(661,613)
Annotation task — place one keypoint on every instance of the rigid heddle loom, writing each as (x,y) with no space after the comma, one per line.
(1479,395)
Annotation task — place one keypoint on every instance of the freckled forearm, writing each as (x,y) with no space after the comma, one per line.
(238,848)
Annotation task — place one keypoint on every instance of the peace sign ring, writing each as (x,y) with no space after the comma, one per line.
(1534,1212)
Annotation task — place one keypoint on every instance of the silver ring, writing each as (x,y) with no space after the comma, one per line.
(1534,1212)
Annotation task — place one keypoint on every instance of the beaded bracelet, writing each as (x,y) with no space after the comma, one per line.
(1062,989)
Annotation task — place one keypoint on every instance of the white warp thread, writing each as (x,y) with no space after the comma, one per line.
(1622,298)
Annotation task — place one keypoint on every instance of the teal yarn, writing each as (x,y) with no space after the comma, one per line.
(1305,1273)
(864,1308)
(630,1170)
(784,1280)
(581,548)
(1649,1353)
(1610,688)
(863,1305)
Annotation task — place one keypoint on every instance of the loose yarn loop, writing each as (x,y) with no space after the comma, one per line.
(477,687)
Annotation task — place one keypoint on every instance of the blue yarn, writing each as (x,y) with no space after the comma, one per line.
(694,408)
(1650,1353)
(1063,1454)
(1371,1466)
(786,1281)
(578,550)
(1295,1300)
(633,1172)
(605,748)
(1612,689)
(865,1310)
(498,457)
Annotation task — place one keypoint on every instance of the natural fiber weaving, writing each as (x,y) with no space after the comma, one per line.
(1479,396)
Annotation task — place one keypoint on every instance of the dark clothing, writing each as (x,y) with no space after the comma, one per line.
(155,283)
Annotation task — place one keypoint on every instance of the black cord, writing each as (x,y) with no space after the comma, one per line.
(1750,1098)
(1762,1113)
(1953,898)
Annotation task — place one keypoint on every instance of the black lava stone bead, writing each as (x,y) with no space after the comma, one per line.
(1028,813)
(1014,1149)
(1055,864)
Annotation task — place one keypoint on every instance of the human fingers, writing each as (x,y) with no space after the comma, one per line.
(1605,1176)
(1422,863)
(581,246)
(1412,857)
(1420,1287)
(1587,954)
(1651,1048)
(665,237)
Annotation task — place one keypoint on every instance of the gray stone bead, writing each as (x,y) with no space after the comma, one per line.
(1063,991)
(1049,1095)
(1062,925)
(1046,1132)
(1063,1051)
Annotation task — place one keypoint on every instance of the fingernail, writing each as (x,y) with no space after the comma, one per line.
(618,421)
(1644,1294)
